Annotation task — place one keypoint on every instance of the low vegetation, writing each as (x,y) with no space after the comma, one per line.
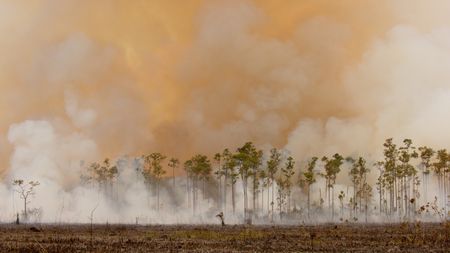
(404,237)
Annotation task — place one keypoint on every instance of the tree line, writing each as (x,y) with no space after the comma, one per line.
(273,185)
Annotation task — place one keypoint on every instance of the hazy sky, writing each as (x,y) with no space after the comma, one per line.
(84,79)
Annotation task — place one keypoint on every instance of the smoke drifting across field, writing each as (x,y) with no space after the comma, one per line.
(84,80)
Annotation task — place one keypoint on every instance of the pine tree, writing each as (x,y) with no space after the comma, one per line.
(310,179)
(272,167)
(288,172)
(332,168)
(173,163)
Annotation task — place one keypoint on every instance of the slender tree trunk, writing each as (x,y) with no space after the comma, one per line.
(262,199)
(194,194)
(445,200)
(415,197)
(225,191)
(273,202)
(309,199)
(320,198)
(366,205)
(360,196)
(25,210)
(173,177)
(219,199)
(203,189)
(441,191)
(157,194)
(326,194)
(332,203)
(232,198)
(254,195)
(288,201)
(380,192)
(280,205)
(391,199)
(354,199)
(395,194)
(406,196)
(425,192)
(219,193)
(401,196)
(268,198)
(188,192)
(244,185)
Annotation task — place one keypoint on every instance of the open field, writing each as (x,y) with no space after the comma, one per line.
(424,237)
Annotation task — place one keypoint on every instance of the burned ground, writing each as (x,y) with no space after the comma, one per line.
(405,237)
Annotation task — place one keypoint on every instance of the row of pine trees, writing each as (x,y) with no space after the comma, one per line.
(272,183)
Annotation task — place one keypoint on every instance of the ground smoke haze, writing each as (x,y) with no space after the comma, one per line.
(82,81)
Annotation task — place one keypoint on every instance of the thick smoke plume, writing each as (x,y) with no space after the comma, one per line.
(85,80)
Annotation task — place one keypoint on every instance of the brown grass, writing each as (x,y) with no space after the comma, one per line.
(419,237)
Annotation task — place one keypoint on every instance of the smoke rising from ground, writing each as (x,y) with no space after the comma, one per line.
(84,80)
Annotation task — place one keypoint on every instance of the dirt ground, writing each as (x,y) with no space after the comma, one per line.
(412,237)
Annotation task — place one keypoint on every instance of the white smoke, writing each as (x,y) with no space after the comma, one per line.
(74,93)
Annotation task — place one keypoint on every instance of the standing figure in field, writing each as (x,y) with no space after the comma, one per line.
(222,219)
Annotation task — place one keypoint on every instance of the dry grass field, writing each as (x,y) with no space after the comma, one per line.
(412,237)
